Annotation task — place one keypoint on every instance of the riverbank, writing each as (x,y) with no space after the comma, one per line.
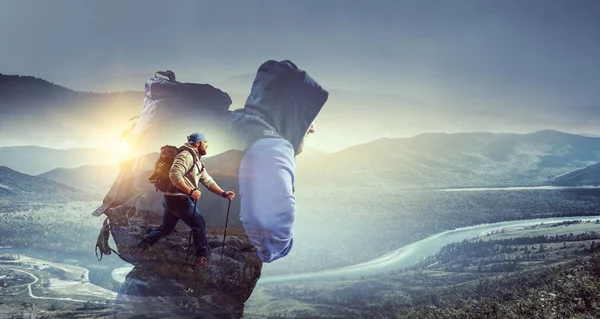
(408,255)
(403,257)
(516,188)
(495,272)
(57,281)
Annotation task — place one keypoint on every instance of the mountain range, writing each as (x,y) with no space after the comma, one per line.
(16,183)
(36,160)
(454,160)
(424,161)
(20,191)
(36,111)
(92,179)
(55,114)
(589,176)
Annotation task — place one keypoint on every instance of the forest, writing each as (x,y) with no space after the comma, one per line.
(557,288)
(344,229)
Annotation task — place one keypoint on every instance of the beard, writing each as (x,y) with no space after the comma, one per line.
(301,146)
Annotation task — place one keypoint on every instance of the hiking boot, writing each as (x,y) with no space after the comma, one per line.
(201,261)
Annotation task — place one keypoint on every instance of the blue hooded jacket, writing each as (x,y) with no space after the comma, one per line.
(283,102)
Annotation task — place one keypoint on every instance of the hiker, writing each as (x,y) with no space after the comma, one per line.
(277,117)
(179,201)
(263,139)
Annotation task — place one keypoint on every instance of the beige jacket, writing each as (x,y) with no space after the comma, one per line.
(182,164)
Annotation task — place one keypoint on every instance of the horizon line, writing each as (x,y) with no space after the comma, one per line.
(591,135)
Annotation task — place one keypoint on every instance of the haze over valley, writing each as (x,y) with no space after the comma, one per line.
(375,197)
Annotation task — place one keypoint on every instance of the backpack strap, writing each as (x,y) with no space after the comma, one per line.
(195,159)
(102,247)
(200,170)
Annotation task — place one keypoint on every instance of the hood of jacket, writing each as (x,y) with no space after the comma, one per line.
(287,98)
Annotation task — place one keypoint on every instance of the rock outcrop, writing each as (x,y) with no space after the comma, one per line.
(162,283)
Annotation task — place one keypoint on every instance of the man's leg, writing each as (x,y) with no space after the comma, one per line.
(169,221)
(196,222)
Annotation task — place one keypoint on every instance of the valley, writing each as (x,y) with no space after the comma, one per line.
(489,277)
(350,211)
(328,237)
(35,288)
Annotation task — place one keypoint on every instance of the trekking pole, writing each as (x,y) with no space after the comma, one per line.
(190,238)
(225,234)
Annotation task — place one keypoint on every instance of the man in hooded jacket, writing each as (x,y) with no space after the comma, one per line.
(278,114)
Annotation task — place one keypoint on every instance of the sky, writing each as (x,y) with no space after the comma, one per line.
(393,68)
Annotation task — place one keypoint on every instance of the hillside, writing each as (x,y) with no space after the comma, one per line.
(33,94)
(19,191)
(426,160)
(586,176)
(94,179)
(423,161)
(54,114)
(454,160)
(36,160)
(15,183)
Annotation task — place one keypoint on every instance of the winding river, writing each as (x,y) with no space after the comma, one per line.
(516,188)
(394,260)
(402,257)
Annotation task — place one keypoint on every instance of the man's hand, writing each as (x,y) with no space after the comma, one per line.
(225,194)
(229,195)
(196,195)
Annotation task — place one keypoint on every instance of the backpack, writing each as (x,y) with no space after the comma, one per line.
(160,177)
(167,100)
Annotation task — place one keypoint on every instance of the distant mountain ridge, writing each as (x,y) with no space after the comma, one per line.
(32,94)
(14,182)
(428,160)
(93,179)
(35,160)
(53,113)
(454,160)
(589,176)
(425,160)
(18,191)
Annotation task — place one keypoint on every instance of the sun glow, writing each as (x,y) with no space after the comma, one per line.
(122,147)
(120,150)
